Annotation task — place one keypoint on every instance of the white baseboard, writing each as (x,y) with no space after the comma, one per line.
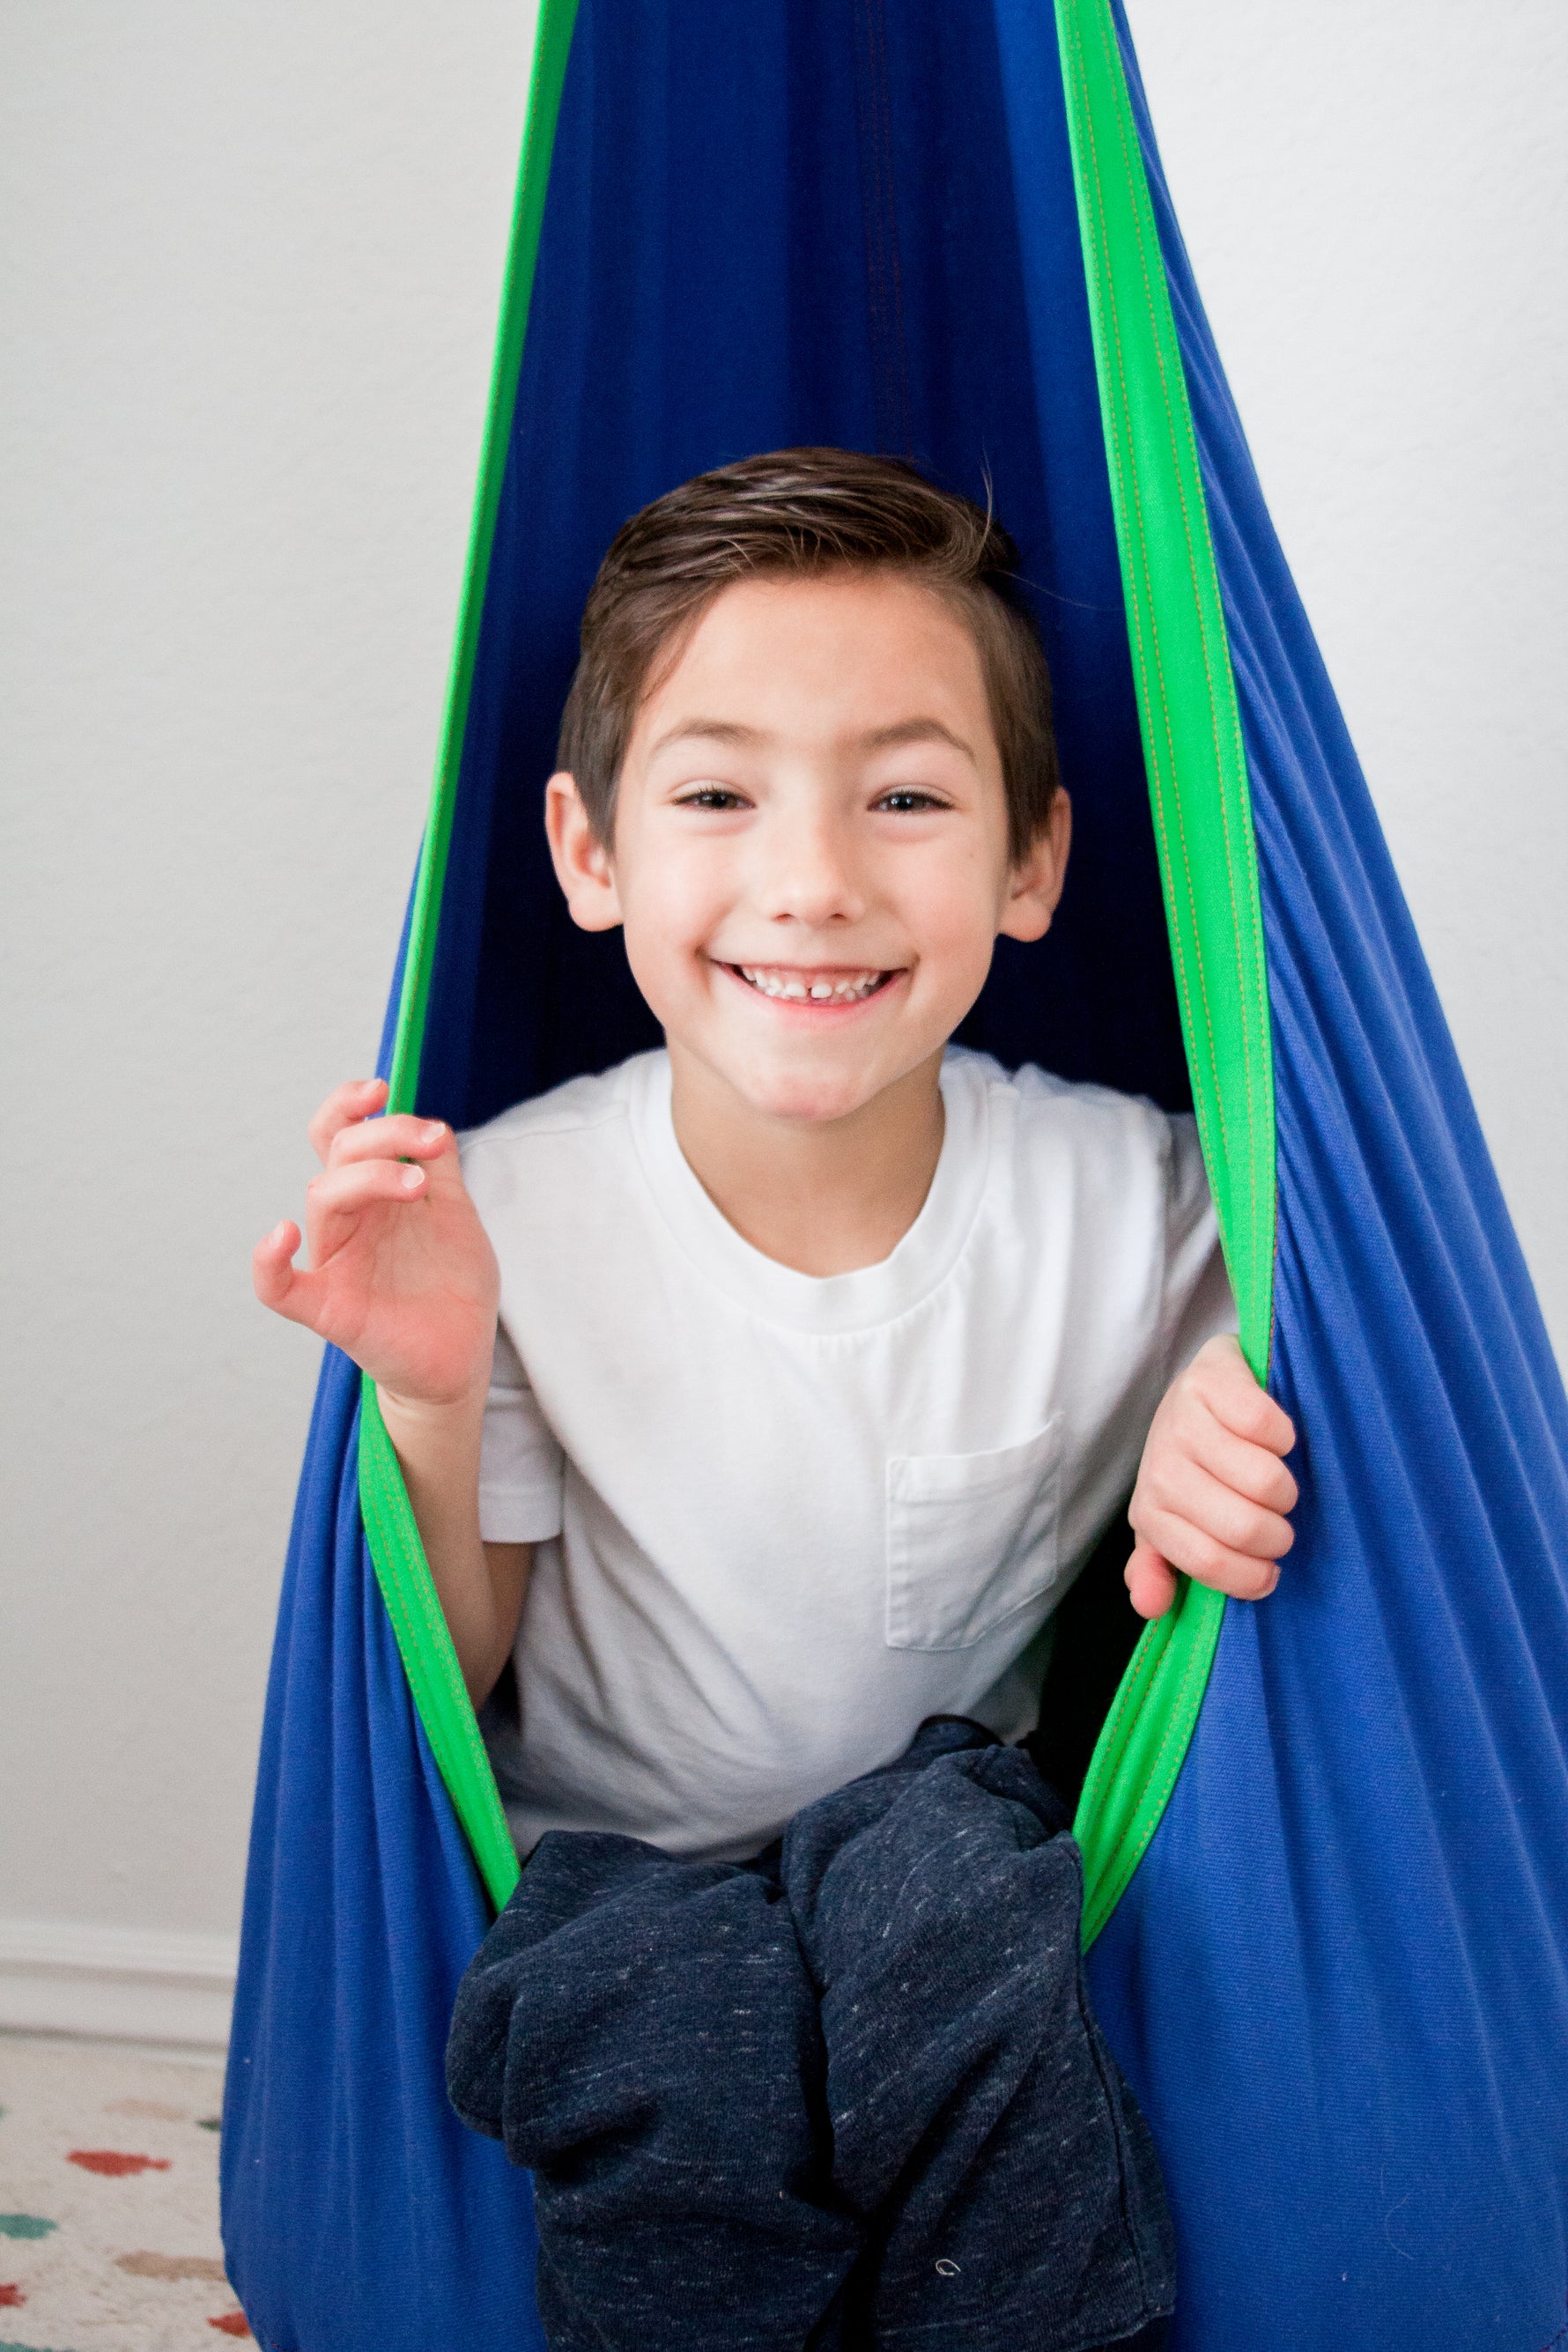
(120,1984)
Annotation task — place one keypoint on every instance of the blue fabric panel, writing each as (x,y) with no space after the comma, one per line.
(359,2215)
(1339,1979)
(767,226)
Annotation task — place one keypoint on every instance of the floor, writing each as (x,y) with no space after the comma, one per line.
(109,2234)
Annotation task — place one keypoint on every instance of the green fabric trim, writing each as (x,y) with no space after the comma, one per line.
(1208,862)
(434,1678)
(551,46)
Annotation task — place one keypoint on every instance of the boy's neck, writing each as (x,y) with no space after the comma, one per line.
(824,1197)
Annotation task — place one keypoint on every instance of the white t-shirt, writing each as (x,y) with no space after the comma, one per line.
(782,1518)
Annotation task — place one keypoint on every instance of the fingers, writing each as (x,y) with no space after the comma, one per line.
(339,1197)
(1252,1470)
(1176,1485)
(1150,1586)
(377,1160)
(277,1282)
(1199,1553)
(402,1138)
(270,1261)
(1213,1490)
(1220,1376)
(336,1199)
(359,1099)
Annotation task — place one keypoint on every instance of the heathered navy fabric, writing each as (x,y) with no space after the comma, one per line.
(849,2094)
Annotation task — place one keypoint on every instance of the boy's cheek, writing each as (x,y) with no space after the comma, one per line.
(652,968)
(956,958)
(670,907)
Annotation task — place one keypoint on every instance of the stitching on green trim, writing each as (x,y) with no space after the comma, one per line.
(1143,1672)
(1142,222)
(1128,1835)
(1142,624)
(1137,1832)
(1199,793)
(1145,622)
(412,1599)
(1250,992)
(1140,1674)
(430,1659)
(1170,1754)
(1179,418)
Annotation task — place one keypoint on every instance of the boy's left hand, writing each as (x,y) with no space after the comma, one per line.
(1212,1489)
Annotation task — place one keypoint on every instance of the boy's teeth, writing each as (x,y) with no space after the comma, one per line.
(820,992)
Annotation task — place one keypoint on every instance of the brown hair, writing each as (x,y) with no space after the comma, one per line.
(806,512)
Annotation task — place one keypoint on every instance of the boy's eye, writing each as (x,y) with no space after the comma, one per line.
(711,796)
(904,800)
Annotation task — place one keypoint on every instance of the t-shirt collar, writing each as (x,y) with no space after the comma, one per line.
(821,1303)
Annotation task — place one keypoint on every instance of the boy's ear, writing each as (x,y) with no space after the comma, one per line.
(1035,884)
(582,865)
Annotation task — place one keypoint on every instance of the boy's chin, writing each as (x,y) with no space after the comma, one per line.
(805,1096)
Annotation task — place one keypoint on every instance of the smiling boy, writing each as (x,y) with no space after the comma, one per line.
(762,1396)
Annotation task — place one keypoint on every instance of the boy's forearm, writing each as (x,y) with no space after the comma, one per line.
(438,1447)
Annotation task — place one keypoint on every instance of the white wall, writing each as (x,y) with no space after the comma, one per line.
(249,259)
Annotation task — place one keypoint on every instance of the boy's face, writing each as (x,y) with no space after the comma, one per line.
(810,845)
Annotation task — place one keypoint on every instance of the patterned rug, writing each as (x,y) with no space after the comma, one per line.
(109,2238)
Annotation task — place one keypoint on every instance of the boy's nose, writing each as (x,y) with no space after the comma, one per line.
(811,877)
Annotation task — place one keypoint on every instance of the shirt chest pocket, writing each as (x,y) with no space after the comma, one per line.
(971,1540)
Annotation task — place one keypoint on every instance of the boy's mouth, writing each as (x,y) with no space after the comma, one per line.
(796,985)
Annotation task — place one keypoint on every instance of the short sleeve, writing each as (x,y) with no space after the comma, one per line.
(1198,1302)
(520,1463)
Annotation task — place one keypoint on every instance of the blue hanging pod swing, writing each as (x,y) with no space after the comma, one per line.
(1326,1840)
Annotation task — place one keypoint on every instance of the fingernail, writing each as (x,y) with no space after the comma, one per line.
(435,1130)
(412,1179)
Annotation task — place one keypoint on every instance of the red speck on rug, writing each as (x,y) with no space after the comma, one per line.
(233,2322)
(112,2164)
(10,2297)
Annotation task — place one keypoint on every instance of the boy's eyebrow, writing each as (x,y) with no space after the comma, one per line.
(915,730)
(877,739)
(712,730)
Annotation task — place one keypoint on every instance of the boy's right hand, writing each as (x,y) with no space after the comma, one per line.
(401,1276)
